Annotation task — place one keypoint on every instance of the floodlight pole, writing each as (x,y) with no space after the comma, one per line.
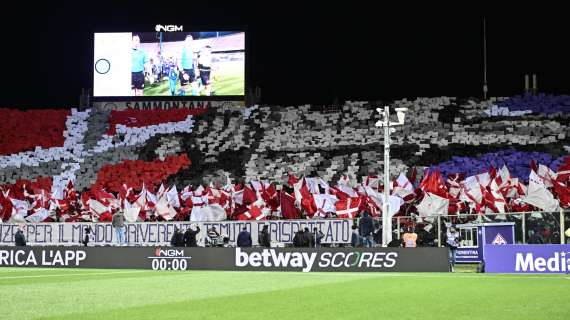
(386,221)
(386,218)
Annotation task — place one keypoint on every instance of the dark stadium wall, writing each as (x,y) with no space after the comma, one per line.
(303,53)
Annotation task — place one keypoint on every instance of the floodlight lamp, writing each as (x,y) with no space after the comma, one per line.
(401,113)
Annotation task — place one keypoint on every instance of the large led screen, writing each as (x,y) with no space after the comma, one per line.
(169,64)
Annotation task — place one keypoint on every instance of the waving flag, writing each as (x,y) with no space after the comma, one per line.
(325,203)
(132,214)
(538,195)
(348,208)
(172,197)
(38,216)
(404,183)
(288,208)
(432,204)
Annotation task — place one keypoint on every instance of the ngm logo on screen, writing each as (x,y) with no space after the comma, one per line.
(169,259)
(167,28)
(159,252)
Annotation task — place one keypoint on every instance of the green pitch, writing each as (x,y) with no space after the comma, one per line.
(136,294)
(229,80)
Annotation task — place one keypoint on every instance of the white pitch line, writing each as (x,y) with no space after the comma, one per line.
(457,276)
(362,275)
(366,275)
(442,275)
(72,274)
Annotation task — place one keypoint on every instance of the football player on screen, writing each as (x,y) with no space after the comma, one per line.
(205,68)
(186,65)
(172,76)
(138,67)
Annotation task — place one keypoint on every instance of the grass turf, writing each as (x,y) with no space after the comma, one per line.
(135,294)
(229,80)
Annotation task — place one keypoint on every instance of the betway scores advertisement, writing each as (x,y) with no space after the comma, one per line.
(343,259)
(230,259)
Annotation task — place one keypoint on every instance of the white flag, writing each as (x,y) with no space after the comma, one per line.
(325,202)
(213,212)
(237,197)
(172,197)
(20,207)
(39,216)
(394,202)
(165,210)
(314,183)
(540,197)
(546,175)
(97,206)
(348,190)
(404,182)
(432,204)
(132,214)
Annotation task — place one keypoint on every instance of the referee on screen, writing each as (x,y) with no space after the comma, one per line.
(139,61)
(186,67)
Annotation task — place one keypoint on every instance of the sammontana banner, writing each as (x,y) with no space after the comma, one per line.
(163,104)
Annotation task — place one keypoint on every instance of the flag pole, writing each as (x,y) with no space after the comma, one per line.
(562,227)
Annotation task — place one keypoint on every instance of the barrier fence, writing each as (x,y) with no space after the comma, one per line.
(536,227)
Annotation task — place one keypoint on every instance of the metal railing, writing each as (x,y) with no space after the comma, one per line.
(530,227)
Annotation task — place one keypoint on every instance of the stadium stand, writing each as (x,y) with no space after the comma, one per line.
(242,163)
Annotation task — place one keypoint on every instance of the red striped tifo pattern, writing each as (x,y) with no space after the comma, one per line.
(25,130)
(136,173)
(141,118)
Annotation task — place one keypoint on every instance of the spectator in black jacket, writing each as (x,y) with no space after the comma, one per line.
(265,237)
(244,239)
(177,239)
(298,239)
(536,237)
(355,239)
(307,239)
(88,236)
(366,226)
(425,238)
(396,242)
(318,236)
(190,237)
(19,237)
(377,234)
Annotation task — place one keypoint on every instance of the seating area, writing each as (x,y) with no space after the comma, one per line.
(541,104)
(25,130)
(224,150)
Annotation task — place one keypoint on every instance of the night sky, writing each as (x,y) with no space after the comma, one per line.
(300,53)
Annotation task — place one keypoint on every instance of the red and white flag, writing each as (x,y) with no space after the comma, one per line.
(538,195)
(348,208)
(325,204)
(432,204)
